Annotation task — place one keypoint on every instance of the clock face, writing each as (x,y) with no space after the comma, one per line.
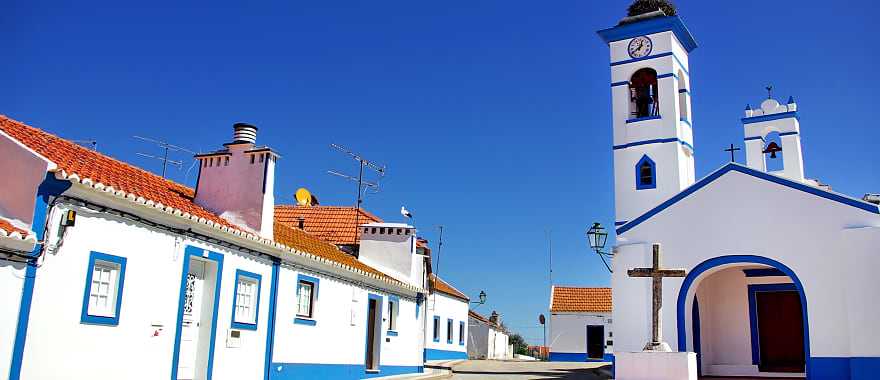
(640,47)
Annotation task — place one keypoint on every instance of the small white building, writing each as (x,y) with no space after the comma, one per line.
(488,340)
(580,324)
(781,271)
(104,257)
(447,311)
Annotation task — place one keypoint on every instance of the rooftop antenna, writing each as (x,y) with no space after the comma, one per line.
(92,143)
(439,248)
(167,148)
(769,89)
(550,248)
(363,185)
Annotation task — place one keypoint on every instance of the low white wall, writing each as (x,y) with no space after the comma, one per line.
(567,332)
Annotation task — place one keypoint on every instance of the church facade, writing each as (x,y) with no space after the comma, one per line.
(780,269)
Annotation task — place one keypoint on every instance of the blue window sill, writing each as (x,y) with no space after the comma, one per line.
(98,320)
(638,119)
(305,321)
(244,326)
(392,333)
(436,340)
(646,187)
(461,343)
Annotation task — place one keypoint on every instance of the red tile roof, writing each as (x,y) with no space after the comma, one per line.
(85,163)
(7,229)
(334,224)
(441,286)
(566,299)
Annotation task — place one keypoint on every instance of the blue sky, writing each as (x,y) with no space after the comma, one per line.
(493,117)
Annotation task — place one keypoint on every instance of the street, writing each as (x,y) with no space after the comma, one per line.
(490,369)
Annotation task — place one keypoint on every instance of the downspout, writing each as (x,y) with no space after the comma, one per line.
(270,331)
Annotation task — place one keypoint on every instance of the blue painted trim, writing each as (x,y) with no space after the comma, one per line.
(862,205)
(753,312)
(754,138)
(685,91)
(578,357)
(655,141)
(787,134)
(775,116)
(316,282)
(629,46)
(461,333)
(639,185)
(638,119)
(84,316)
(436,330)
(763,272)
(624,83)
(309,371)
(435,354)
(378,334)
(651,26)
(48,189)
(270,326)
(450,330)
(667,75)
(698,334)
(681,65)
(189,252)
(391,333)
(619,223)
(739,259)
(305,321)
(686,122)
(243,325)
(391,315)
(645,58)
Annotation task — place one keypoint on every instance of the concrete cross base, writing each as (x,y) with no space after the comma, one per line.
(657,347)
(655,365)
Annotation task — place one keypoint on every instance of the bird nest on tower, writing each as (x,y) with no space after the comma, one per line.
(644,9)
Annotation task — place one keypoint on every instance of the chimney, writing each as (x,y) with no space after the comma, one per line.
(302,223)
(238,182)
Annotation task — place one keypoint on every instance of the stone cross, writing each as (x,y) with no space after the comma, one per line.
(656,273)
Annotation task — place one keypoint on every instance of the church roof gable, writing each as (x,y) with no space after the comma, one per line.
(734,167)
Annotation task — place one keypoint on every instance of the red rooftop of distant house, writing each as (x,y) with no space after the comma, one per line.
(443,287)
(568,299)
(333,224)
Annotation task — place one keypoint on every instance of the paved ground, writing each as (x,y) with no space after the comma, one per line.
(515,370)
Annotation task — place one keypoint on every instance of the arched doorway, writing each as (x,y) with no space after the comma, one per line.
(736,312)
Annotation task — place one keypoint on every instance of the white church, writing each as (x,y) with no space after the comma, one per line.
(781,276)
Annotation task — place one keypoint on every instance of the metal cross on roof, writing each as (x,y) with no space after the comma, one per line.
(657,274)
(732,150)
(769,89)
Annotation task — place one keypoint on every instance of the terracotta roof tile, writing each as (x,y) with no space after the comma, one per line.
(574,299)
(334,224)
(443,287)
(7,229)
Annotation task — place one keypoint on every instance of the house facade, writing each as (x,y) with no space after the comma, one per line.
(446,313)
(580,324)
(100,258)
(487,338)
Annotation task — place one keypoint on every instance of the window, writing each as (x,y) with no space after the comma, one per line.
(246,300)
(105,276)
(646,174)
(644,100)
(461,333)
(436,329)
(306,297)
(449,331)
(393,311)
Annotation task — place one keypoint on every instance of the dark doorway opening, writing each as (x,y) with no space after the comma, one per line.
(372,311)
(595,342)
(780,331)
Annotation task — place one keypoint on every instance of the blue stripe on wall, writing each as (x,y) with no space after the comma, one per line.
(856,368)
(309,371)
(434,354)
(578,357)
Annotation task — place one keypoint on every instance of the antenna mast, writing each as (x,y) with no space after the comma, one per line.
(167,148)
(363,185)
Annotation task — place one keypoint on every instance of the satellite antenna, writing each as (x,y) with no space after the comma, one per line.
(363,185)
(305,198)
(167,148)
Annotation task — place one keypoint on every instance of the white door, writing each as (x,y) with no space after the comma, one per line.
(192,310)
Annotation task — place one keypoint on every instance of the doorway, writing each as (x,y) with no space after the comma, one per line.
(196,322)
(780,331)
(374,332)
(595,342)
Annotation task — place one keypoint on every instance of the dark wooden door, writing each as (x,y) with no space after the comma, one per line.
(780,331)
(371,334)
(595,342)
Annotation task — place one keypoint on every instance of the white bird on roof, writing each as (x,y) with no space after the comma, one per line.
(405,212)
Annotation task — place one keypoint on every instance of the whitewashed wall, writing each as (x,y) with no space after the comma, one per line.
(567,332)
(11,283)
(446,307)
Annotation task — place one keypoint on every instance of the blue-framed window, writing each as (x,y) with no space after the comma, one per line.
(246,300)
(102,298)
(449,331)
(436,329)
(646,174)
(306,299)
(393,312)
(461,333)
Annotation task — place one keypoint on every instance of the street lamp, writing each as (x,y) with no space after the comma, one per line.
(482,298)
(597,236)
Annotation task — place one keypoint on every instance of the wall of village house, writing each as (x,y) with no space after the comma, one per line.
(499,343)
(567,332)
(335,345)
(11,283)
(732,216)
(446,307)
(478,339)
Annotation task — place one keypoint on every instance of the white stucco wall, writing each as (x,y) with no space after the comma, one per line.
(11,282)
(390,252)
(567,332)
(446,307)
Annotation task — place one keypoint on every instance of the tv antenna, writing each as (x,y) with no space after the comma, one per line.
(93,144)
(363,185)
(167,147)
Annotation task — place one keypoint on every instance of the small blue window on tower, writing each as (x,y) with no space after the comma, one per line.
(646,174)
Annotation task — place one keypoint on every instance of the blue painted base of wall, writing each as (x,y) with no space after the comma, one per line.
(838,368)
(433,354)
(308,371)
(578,357)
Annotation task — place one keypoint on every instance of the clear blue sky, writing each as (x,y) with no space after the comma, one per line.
(493,116)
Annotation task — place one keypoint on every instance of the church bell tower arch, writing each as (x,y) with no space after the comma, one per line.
(651,109)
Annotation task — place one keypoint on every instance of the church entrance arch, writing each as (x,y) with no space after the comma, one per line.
(744,316)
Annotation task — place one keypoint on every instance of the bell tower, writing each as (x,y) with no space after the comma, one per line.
(651,108)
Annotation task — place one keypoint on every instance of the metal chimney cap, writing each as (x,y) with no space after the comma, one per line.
(244,133)
(244,125)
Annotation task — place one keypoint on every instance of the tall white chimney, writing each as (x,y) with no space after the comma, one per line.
(238,182)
